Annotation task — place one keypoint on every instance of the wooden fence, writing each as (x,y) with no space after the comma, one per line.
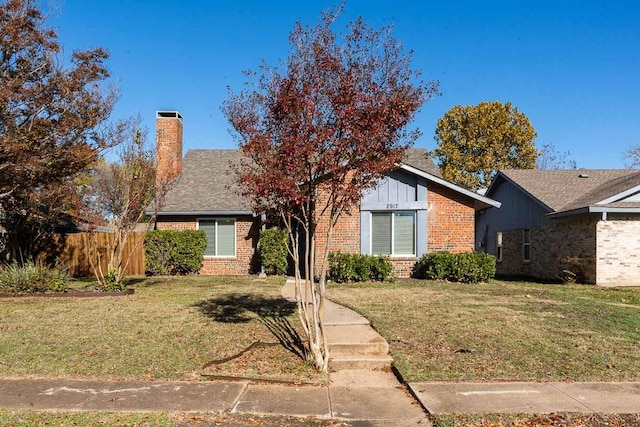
(77,251)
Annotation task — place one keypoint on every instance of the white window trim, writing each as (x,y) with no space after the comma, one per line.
(235,236)
(392,254)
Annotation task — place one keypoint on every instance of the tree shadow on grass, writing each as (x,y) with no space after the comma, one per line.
(271,312)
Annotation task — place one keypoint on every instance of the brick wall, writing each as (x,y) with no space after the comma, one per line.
(554,248)
(168,147)
(618,252)
(451,223)
(247,235)
(451,227)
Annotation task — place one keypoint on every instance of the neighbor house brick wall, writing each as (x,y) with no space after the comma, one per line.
(451,223)
(247,235)
(562,245)
(618,252)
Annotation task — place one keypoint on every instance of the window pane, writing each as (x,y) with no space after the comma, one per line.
(226,237)
(209,228)
(404,233)
(381,233)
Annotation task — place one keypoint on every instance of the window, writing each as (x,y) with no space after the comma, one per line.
(526,245)
(499,246)
(393,233)
(221,237)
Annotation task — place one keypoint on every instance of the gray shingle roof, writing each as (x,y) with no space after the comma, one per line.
(207,183)
(564,190)
(419,159)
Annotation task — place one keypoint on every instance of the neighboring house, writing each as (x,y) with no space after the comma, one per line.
(585,221)
(412,212)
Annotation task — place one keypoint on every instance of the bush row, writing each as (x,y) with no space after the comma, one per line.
(174,252)
(358,268)
(468,267)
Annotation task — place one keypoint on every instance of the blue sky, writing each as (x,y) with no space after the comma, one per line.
(573,67)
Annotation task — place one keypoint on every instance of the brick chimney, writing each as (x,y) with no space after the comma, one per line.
(168,146)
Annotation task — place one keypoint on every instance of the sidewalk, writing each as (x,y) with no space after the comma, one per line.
(527,397)
(381,404)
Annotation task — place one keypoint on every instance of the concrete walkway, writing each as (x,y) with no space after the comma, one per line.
(361,388)
(526,397)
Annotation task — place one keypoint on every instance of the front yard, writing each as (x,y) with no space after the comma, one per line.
(503,330)
(168,330)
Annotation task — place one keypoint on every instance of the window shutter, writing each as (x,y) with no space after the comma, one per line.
(226,237)
(209,228)
(404,233)
(381,233)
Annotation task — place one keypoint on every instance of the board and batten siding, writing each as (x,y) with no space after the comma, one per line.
(400,191)
(518,211)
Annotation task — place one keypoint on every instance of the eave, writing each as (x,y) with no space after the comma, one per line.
(592,209)
(480,202)
(202,213)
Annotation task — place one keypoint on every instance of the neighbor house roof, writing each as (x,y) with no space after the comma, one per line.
(207,184)
(568,191)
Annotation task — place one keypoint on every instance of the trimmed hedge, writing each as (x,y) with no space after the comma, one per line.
(358,268)
(174,252)
(274,251)
(468,267)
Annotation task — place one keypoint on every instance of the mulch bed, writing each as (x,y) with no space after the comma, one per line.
(70,294)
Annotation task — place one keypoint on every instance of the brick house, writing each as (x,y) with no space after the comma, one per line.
(411,212)
(584,221)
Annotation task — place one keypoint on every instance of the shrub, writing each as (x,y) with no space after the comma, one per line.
(358,268)
(273,250)
(174,252)
(30,278)
(111,284)
(434,266)
(468,267)
(573,270)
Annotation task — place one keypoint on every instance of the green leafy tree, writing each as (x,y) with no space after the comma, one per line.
(476,141)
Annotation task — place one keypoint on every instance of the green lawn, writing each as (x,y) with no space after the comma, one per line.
(168,330)
(503,330)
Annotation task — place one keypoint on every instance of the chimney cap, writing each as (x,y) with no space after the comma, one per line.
(168,114)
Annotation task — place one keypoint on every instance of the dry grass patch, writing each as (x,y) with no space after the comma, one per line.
(168,330)
(162,419)
(503,330)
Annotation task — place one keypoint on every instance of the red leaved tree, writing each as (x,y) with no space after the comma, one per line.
(318,134)
(49,119)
